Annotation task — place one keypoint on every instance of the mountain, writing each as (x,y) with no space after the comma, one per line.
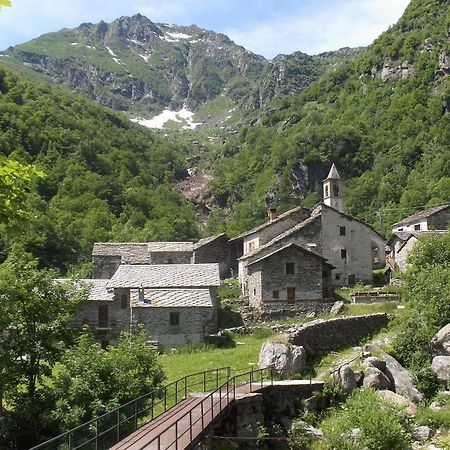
(384,119)
(105,177)
(184,74)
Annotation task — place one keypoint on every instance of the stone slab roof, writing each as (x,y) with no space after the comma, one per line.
(207,240)
(266,224)
(291,245)
(165,276)
(422,215)
(139,250)
(172,298)
(98,291)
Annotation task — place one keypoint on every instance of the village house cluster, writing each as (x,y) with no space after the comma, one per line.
(292,261)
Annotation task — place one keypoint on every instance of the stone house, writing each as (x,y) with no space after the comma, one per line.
(408,231)
(437,218)
(353,248)
(286,276)
(176,303)
(107,256)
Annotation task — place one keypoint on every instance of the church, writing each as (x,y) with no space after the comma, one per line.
(300,255)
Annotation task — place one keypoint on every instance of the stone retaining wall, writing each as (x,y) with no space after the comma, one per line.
(323,336)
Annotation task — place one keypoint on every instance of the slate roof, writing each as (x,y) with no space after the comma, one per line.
(172,298)
(98,290)
(291,245)
(138,252)
(333,174)
(165,276)
(270,222)
(422,215)
(207,240)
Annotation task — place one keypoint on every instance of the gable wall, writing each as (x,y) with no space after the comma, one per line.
(440,220)
(217,251)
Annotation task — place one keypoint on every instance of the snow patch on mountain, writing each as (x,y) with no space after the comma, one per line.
(158,122)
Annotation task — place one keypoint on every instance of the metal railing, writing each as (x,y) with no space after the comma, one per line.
(190,425)
(108,429)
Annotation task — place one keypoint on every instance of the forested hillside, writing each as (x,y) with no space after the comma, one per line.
(105,178)
(384,119)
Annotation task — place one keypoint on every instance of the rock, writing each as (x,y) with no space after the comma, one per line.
(401,380)
(337,308)
(411,408)
(346,378)
(375,362)
(421,434)
(440,344)
(353,435)
(441,367)
(376,379)
(286,359)
(313,432)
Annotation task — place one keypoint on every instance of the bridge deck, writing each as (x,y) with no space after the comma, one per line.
(182,425)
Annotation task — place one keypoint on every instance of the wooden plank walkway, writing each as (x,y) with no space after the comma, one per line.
(182,425)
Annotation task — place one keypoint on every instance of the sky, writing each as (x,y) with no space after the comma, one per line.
(265,27)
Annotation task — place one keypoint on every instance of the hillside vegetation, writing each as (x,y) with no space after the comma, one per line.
(105,178)
(384,119)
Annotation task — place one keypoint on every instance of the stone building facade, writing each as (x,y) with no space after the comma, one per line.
(288,275)
(214,249)
(437,218)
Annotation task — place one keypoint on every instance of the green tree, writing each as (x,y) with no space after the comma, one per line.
(91,381)
(35,313)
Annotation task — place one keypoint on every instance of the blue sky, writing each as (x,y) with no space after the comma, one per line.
(266,27)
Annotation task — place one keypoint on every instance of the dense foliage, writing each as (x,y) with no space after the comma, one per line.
(428,307)
(105,178)
(387,130)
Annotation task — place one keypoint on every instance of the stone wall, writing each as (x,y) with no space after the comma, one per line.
(216,251)
(440,220)
(105,267)
(282,310)
(170,257)
(322,336)
(194,323)
(378,297)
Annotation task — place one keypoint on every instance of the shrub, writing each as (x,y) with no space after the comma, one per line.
(382,425)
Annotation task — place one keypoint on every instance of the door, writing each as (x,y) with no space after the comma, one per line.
(291,295)
(103,321)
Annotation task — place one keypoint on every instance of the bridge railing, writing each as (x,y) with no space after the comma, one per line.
(209,408)
(108,429)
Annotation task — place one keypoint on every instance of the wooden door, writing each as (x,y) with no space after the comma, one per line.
(103,321)
(291,294)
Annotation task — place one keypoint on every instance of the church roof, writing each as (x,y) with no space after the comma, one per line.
(334,174)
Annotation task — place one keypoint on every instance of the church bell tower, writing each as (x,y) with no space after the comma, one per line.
(333,190)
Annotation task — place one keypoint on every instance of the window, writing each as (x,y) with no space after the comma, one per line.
(324,273)
(400,229)
(276,295)
(174,319)
(343,253)
(417,227)
(337,276)
(103,316)
(335,190)
(124,301)
(290,268)
(254,291)
(341,231)
(327,192)
(251,246)
(291,294)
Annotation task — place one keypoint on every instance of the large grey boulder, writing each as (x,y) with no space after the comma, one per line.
(375,362)
(421,433)
(440,344)
(441,367)
(389,396)
(402,381)
(337,308)
(285,359)
(346,378)
(376,379)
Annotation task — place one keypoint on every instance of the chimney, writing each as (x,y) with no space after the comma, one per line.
(272,214)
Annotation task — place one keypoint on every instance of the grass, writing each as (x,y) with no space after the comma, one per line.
(357,309)
(191,360)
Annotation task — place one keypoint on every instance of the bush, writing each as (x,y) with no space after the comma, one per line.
(382,425)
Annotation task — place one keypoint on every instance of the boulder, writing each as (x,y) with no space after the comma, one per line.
(441,367)
(421,434)
(376,379)
(440,344)
(376,362)
(401,380)
(337,308)
(389,396)
(285,359)
(346,378)
(313,432)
